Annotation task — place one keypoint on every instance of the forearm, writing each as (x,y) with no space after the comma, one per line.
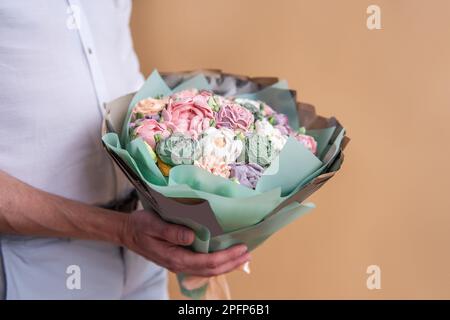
(25,210)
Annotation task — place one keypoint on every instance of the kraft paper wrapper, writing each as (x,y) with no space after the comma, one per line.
(197,213)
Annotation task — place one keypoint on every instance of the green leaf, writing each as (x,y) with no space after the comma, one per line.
(139,115)
(272,120)
(302,130)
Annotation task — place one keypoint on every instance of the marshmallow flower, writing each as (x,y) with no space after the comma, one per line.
(264,128)
(235,117)
(281,122)
(148,129)
(149,106)
(221,144)
(246,174)
(309,142)
(177,149)
(257,149)
(188,112)
(214,165)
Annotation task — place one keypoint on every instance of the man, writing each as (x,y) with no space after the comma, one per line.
(60,236)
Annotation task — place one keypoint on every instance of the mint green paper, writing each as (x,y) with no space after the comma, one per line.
(139,152)
(112,142)
(278,97)
(199,82)
(295,163)
(319,171)
(202,180)
(322,137)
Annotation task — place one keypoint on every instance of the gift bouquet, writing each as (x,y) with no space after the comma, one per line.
(231,157)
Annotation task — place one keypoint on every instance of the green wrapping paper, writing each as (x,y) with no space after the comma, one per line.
(221,212)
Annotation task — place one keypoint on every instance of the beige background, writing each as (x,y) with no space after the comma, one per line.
(389,205)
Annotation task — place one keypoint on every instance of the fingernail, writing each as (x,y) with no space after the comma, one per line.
(243,250)
(186,237)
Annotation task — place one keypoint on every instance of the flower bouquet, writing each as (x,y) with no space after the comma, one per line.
(231,157)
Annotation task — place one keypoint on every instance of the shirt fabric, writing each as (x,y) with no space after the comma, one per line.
(60,60)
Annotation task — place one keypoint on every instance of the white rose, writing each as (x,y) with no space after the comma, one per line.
(264,128)
(220,143)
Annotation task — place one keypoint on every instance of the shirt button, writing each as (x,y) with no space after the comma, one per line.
(89,50)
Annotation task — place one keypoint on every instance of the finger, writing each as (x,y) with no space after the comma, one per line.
(228,266)
(172,233)
(161,252)
(199,263)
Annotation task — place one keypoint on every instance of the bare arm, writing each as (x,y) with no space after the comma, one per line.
(25,210)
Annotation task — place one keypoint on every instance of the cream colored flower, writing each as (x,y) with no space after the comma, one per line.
(214,165)
(220,143)
(150,106)
(264,128)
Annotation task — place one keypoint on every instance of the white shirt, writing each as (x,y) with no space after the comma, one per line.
(59,60)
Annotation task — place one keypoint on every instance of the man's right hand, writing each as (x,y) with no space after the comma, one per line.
(148,235)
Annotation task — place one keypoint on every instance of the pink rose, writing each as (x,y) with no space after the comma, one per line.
(184,94)
(234,117)
(308,141)
(149,128)
(188,113)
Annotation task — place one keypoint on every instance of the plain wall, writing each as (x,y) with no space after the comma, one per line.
(389,205)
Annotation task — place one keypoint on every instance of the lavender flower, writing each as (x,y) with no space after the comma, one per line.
(247,174)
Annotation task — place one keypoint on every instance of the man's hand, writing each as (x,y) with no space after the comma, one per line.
(148,235)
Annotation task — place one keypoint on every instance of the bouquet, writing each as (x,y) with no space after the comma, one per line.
(231,157)
(234,138)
